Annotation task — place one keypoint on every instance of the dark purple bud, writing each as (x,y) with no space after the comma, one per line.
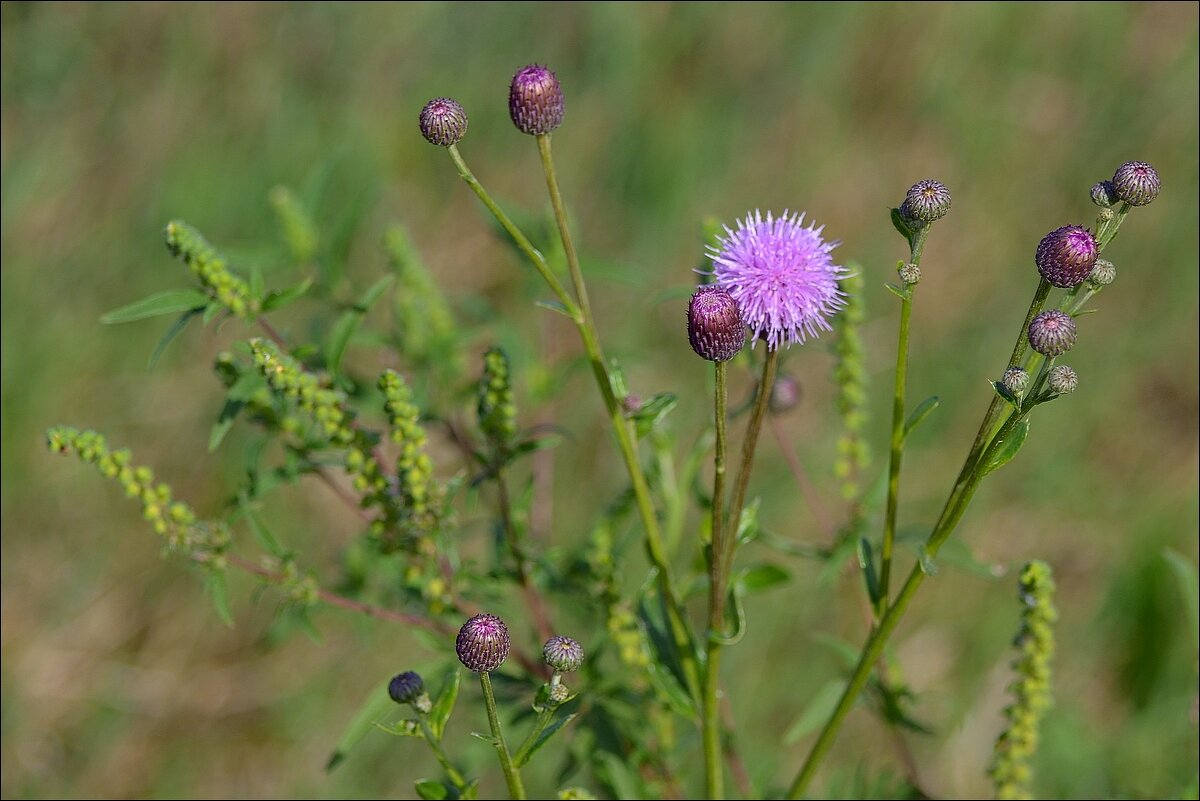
(563,654)
(785,394)
(535,100)
(1136,183)
(1065,256)
(927,201)
(1062,379)
(715,326)
(443,122)
(1104,194)
(406,688)
(1052,333)
(483,643)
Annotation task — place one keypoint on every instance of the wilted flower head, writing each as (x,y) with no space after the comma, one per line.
(535,100)
(563,654)
(1052,333)
(443,122)
(482,643)
(781,275)
(1066,255)
(715,327)
(1136,183)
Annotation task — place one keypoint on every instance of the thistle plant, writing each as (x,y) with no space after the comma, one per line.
(422,460)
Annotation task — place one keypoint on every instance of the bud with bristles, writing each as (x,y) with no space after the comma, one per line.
(563,654)
(1066,255)
(910,274)
(1015,380)
(535,100)
(483,643)
(715,326)
(927,201)
(1136,183)
(1052,333)
(1062,379)
(1103,274)
(409,688)
(1104,194)
(443,122)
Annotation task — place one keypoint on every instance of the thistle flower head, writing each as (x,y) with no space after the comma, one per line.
(910,274)
(1052,333)
(1015,380)
(563,654)
(1136,183)
(1066,255)
(781,275)
(406,688)
(1103,274)
(715,327)
(483,643)
(927,201)
(1062,379)
(1104,194)
(443,122)
(535,100)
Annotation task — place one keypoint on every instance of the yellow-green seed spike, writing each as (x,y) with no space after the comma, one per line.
(851,377)
(212,269)
(295,225)
(497,410)
(419,493)
(423,319)
(1013,754)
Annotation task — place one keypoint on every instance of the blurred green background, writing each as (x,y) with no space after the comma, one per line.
(118,679)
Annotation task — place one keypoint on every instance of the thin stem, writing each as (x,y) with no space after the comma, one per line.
(951,514)
(807,488)
(533,599)
(511,775)
(543,720)
(711,724)
(436,746)
(897,450)
(680,632)
(749,445)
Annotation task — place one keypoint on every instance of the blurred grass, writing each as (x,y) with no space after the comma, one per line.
(118,680)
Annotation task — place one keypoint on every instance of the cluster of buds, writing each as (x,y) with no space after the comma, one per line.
(172,520)
(419,493)
(211,268)
(535,104)
(497,411)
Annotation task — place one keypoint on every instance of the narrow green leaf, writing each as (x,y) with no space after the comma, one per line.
(261,533)
(339,338)
(304,621)
(444,705)
(1003,392)
(218,590)
(763,577)
(923,410)
(817,711)
(897,291)
(225,420)
(374,707)
(257,284)
(1189,586)
(555,306)
(901,225)
(278,298)
(373,293)
(1008,448)
(866,561)
(157,305)
(544,737)
(487,738)
(651,413)
(210,312)
(170,334)
(431,790)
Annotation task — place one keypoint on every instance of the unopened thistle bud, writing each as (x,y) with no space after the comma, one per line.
(535,100)
(715,326)
(1106,215)
(408,688)
(1103,274)
(443,122)
(785,394)
(563,654)
(1066,255)
(1104,194)
(1062,379)
(1052,333)
(1015,380)
(910,274)
(927,201)
(1136,183)
(483,643)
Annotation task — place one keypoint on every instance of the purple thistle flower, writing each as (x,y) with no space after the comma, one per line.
(535,100)
(781,275)
(1136,183)
(1065,256)
(1052,333)
(563,654)
(482,643)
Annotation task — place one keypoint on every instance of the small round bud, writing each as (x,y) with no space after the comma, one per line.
(443,122)
(631,403)
(406,688)
(483,643)
(1106,215)
(1104,194)
(785,394)
(910,274)
(927,200)
(1103,274)
(559,694)
(563,654)
(1136,183)
(1062,379)
(1015,380)
(1052,333)
(535,100)
(715,327)
(1066,255)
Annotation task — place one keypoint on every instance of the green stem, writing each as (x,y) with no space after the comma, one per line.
(543,720)
(749,444)
(511,775)
(436,745)
(711,724)
(956,505)
(680,632)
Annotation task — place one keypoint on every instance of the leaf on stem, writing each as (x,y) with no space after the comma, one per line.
(544,737)
(444,705)
(817,711)
(1007,448)
(157,305)
(373,708)
(923,410)
(431,790)
(866,561)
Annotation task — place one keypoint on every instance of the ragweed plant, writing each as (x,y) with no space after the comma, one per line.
(417,454)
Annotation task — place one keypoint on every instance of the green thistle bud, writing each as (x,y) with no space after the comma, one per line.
(1104,194)
(1015,380)
(1103,274)
(559,694)
(563,654)
(497,411)
(1062,379)
(910,274)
